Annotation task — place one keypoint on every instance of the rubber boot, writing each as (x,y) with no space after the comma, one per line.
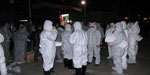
(78,71)
(84,70)
(47,72)
(65,63)
(52,70)
(70,64)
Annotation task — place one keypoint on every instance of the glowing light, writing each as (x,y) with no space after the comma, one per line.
(60,17)
(126,18)
(83,2)
(23,20)
(64,19)
(145,18)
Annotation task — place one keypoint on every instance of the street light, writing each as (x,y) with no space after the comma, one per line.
(83,2)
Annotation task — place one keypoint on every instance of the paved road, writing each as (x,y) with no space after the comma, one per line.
(142,67)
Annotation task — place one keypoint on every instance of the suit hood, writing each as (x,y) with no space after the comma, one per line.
(48,25)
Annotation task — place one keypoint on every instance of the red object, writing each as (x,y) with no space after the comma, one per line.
(60,17)
(92,22)
(113,31)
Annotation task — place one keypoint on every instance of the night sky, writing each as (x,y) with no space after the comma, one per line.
(122,7)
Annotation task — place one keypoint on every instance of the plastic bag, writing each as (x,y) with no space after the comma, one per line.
(16,69)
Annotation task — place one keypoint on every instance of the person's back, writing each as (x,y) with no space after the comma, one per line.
(79,41)
(59,52)
(60,31)
(134,37)
(80,34)
(67,47)
(20,38)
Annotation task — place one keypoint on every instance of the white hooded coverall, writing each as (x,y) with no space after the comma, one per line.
(59,52)
(94,40)
(134,37)
(3,69)
(66,45)
(47,45)
(79,41)
(118,43)
(108,32)
(124,57)
(5,31)
(101,30)
(20,38)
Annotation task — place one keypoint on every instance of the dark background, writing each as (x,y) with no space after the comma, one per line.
(137,9)
(123,7)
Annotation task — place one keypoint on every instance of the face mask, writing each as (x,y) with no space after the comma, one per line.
(91,26)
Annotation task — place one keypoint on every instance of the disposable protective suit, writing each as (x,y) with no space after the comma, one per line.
(124,57)
(101,30)
(117,40)
(108,32)
(20,38)
(94,40)
(47,46)
(134,37)
(79,41)
(59,52)
(3,69)
(67,47)
(5,31)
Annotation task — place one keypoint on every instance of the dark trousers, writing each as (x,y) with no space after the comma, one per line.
(36,54)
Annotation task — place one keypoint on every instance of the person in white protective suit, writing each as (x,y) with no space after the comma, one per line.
(134,37)
(3,69)
(94,40)
(117,41)
(20,38)
(109,31)
(5,31)
(107,27)
(124,57)
(67,47)
(47,46)
(59,52)
(101,30)
(84,27)
(79,41)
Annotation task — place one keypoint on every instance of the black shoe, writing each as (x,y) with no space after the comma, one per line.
(84,70)
(78,71)
(65,63)
(94,58)
(47,72)
(52,70)
(70,64)
(88,62)
(96,64)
